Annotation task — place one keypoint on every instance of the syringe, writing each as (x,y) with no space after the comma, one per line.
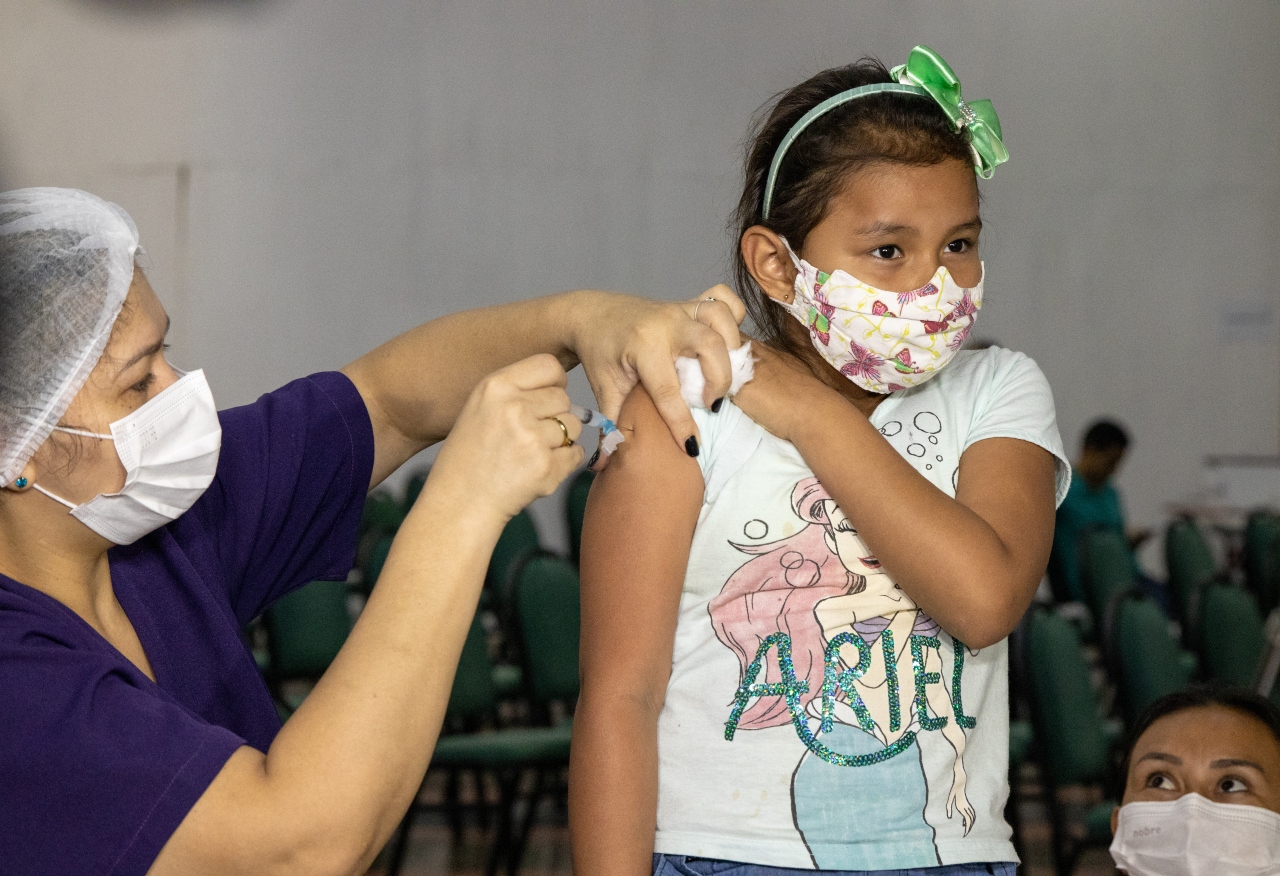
(593,419)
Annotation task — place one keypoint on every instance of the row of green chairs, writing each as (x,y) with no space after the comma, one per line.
(1074,743)
(534,597)
(1191,567)
(1141,654)
(1220,621)
(304,632)
(546,602)
(1262,559)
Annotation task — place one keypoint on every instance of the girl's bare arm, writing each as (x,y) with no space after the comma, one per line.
(635,547)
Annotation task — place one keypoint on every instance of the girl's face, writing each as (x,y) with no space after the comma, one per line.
(893,225)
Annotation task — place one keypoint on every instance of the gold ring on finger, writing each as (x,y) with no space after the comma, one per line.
(567,442)
(700,303)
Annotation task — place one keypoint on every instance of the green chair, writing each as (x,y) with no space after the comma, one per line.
(374,560)
(1191,566)
(1073,742)
(575,509)
(305,631)
(1141,655)
(1262,559)
(549,612)
(1021,739)
(413,488)
(507,753)
(518,540)
(1107,568)
(383,513)
(1230,634)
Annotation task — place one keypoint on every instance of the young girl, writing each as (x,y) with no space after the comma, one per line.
(793,646)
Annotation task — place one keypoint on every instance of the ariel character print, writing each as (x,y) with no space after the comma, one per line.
(855,667)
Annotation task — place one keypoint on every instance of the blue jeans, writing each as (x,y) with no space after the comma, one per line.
(679,865)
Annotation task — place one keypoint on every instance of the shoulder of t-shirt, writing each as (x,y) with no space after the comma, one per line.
(1010,398)
(728,438)
(333,386)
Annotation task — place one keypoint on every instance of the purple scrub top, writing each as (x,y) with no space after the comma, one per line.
(98,764)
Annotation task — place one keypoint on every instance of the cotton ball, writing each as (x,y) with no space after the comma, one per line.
(692,383)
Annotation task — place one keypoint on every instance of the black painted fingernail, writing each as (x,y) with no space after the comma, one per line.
(715,405)
(691,445)
(595,457)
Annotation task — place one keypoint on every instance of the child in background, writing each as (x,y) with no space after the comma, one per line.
(793,646)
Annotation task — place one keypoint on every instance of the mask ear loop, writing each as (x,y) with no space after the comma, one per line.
(83,433)
(795,259)
(55,498)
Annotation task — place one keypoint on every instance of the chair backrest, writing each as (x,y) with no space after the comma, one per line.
(1144,658)
(549,617)
(519,539)
(1191,565)
(1107,568)
(413,488)
(1064,703)
(1231,635)
(374,562)
(306,629)
(473,695)
(1262,558)
(383,513)
(575,510)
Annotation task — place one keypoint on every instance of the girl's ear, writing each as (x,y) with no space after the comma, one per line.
(830,539)
(766,258)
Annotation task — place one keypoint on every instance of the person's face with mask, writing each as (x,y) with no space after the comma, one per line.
(131,372)
(1224,755)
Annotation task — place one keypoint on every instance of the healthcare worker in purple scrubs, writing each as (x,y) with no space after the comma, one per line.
(140,529)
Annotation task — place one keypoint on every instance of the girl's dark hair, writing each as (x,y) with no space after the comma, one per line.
(1199,696)
(901,128)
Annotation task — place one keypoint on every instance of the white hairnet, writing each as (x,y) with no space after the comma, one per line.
(66,263)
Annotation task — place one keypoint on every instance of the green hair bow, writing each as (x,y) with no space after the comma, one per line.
(926,69)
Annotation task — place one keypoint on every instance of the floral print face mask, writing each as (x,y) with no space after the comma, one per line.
(883,341)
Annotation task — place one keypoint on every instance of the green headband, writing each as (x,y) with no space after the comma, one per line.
(926,75)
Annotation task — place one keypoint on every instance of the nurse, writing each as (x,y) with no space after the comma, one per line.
(141,529)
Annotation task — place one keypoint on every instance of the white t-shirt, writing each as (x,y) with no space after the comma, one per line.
(833,766)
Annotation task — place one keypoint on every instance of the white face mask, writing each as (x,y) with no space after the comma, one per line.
(1193,836)
(883,341)
(169,447)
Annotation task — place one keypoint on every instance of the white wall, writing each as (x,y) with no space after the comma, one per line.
(312,178)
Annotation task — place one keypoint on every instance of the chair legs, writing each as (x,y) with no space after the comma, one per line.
(401,842)
(482,799)
(453,804)
(1066,848)
(526,824)
(509,788)
(1014,819)
(511,832)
